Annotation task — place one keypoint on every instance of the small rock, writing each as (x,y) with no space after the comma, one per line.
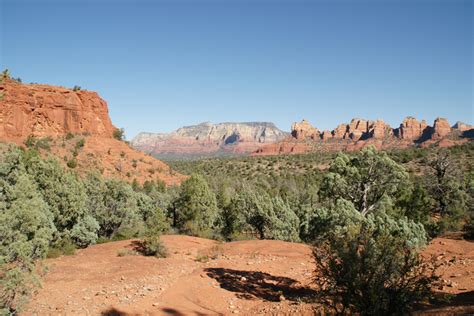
(243,279)
(282,298)
(155,304)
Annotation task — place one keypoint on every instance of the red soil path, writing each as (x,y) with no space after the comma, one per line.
(203,277)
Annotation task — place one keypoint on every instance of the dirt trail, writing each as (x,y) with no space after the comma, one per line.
(203,277)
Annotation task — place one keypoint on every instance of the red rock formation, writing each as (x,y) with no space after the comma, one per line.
(379,130)
(361,133)
(42,110)
(326,135)
(462,127)
(340,131)
(356,129)
(304,130)
(441,128)
(411,129)
(207,139)
(285,147)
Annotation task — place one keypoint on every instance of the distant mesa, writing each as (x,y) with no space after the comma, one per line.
(263,138)
(207,139)
(40,111)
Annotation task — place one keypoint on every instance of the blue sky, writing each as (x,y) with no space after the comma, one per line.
(164,64)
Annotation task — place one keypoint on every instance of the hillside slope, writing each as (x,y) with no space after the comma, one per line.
(75,127)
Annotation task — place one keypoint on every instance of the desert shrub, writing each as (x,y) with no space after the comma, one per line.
(84,232)
(119,134)
(209,254)
(72,163)
(63,191)
(153,246)
(76,88)
(80,143)
(268,218)
(113,204)
(5,74)
(44,143)
(69,136)
(63,246)
(30,141)
(374,268)
(126,252)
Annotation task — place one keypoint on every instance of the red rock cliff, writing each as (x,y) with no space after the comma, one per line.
(43,110)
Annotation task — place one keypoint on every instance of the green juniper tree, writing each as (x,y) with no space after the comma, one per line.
(196,205)
(364,179)
(445,185)
(26,229)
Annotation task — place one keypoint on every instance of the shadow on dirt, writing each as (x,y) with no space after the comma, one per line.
(171,311)
(253,284)
(113,312)
(164,311)
(449,304)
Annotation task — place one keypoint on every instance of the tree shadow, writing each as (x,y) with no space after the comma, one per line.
(449,304)
(175,312)
(171,311)
(253,284)
(113,312)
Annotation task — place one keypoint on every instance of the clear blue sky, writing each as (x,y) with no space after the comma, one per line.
(164,64)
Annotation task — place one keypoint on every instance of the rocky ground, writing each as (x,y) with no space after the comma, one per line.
(203,277)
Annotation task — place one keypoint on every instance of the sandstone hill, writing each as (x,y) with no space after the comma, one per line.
(207,139)
(360,133)
(74,126)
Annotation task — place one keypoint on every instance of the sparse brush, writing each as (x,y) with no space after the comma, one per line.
(126,252)
(153,246)
(210,254)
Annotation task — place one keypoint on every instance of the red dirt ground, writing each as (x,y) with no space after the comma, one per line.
(203,277)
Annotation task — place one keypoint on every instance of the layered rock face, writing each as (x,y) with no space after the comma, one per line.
(303,130)
(412,129)
(357,129)
(441,128)
(42,110)
(49,111)
(360,133)
(462,127)
(210,139)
